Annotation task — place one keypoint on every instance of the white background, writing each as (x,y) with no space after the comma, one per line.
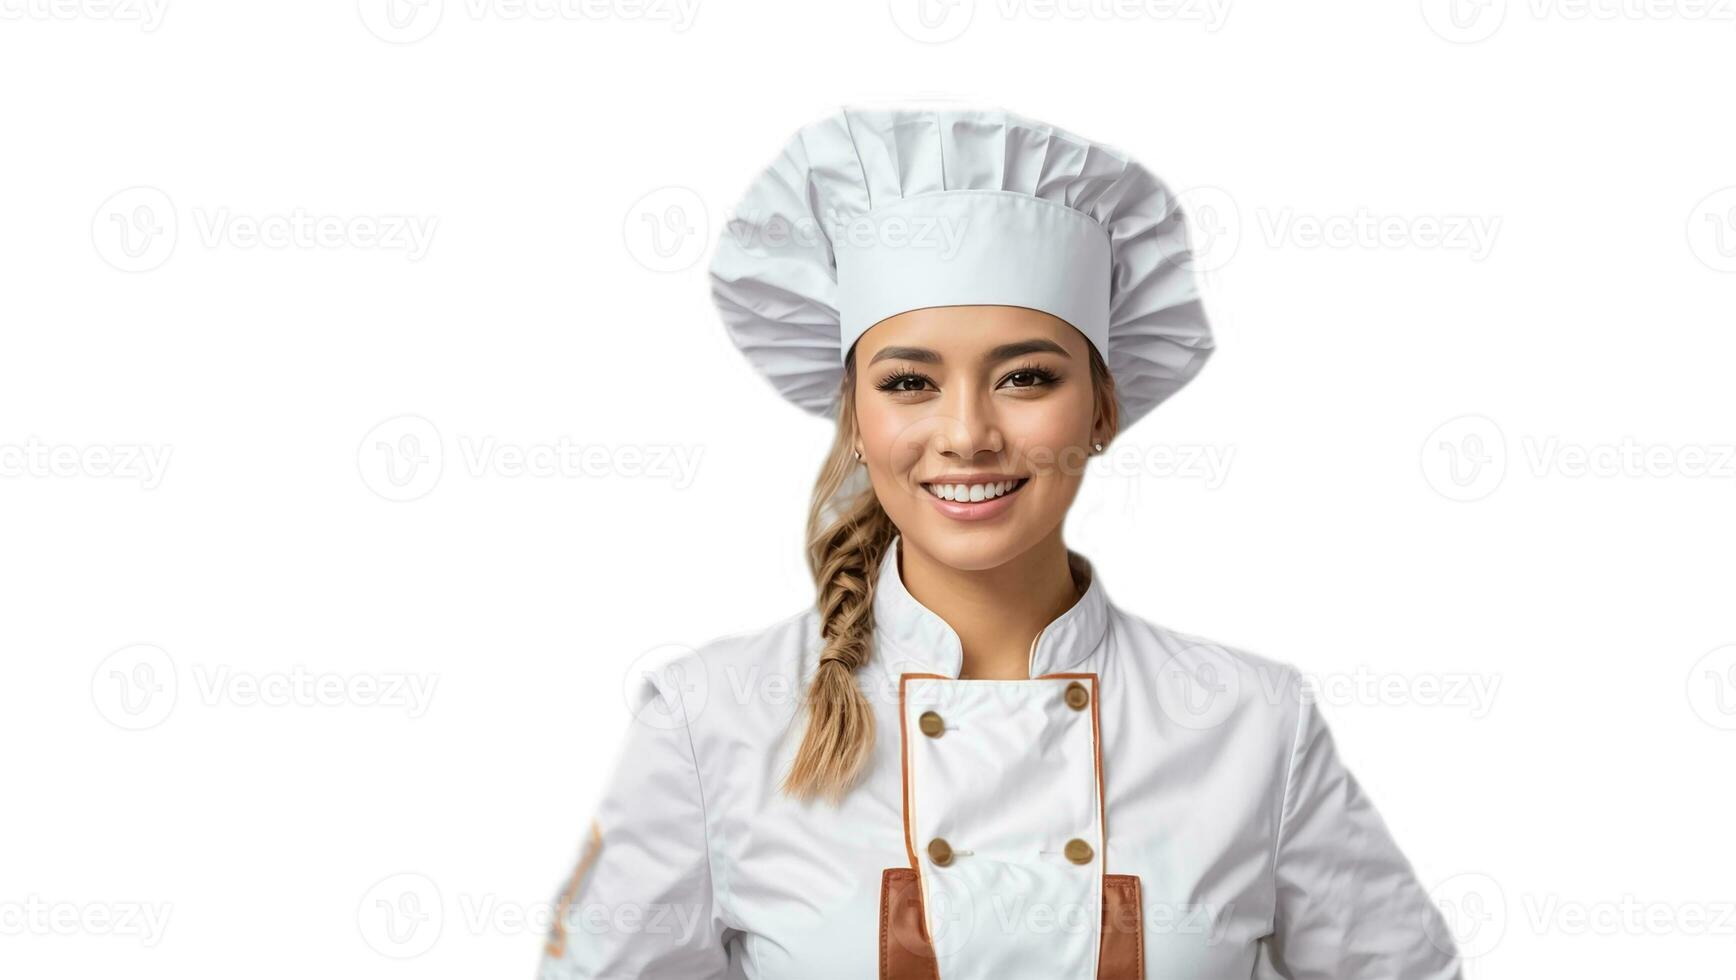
(1525,214)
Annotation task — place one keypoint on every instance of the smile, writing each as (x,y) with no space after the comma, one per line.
(974,492)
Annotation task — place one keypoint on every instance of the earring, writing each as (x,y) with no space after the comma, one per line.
(1098,446)
(858,455)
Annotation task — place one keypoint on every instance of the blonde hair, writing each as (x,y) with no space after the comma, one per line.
(847,538)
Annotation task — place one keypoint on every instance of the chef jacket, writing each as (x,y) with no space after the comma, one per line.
(1146,804)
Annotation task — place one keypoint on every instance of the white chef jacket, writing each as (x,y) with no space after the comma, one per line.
(1192,790)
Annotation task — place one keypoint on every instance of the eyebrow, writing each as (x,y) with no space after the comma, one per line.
(1036,345)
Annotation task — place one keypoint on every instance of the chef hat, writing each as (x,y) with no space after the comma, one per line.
(871,212)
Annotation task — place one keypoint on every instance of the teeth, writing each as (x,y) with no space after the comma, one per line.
(972,492)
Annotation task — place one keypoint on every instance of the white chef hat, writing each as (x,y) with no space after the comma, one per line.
(872,212)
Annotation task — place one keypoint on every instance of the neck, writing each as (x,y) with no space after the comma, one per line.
(996,612)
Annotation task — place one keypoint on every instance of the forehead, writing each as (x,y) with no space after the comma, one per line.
(964,331)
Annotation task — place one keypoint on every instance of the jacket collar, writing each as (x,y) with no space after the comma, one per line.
(910,637)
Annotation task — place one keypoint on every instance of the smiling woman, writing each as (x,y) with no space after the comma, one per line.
(995,770)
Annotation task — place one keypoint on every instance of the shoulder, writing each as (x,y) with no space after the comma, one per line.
(1202,683)
(733,681)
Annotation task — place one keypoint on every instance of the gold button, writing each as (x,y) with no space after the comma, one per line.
(1078,851)
(931,724)
(940,852)
(1077,696)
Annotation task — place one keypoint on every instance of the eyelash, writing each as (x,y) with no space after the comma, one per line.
(891,382)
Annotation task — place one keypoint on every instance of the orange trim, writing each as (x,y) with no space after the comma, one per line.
(904,763)
(557,941)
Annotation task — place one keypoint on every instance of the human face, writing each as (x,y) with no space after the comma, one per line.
(975,395)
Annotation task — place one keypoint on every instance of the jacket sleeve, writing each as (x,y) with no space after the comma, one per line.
(638,903)
(1349,906)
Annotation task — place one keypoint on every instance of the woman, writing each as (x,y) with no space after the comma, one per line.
(965,761)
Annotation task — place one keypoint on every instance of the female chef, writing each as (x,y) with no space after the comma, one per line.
(976,765)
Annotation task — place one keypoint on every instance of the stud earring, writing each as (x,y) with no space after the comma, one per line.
(1098,446)
(858,455)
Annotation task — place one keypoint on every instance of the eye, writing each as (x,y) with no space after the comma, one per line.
(904,381)
(1030,376)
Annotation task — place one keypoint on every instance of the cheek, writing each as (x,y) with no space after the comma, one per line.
(889,443)
(1049,443)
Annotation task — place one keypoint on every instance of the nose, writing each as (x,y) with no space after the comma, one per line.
(971,425)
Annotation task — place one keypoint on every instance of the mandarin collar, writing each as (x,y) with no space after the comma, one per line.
(910,637)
